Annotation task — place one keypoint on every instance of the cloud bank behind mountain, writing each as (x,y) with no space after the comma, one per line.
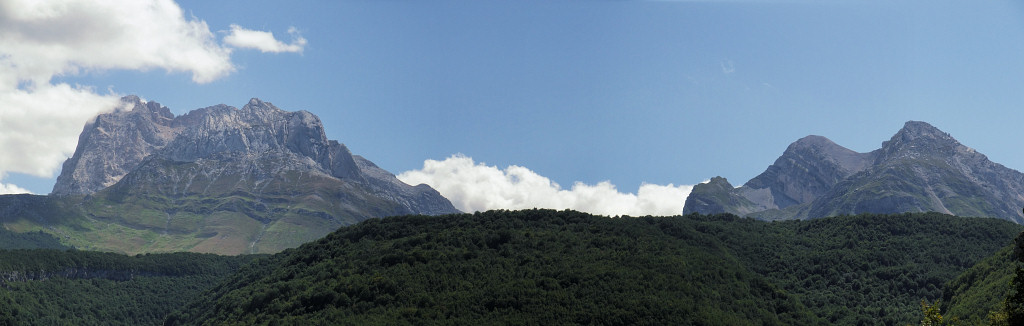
(472,186)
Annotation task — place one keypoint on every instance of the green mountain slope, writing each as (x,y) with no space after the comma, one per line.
(29,240)
(544,267)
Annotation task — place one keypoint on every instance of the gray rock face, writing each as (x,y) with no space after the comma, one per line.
(922,169)
(808,168)
(719,196)
(919,169)
(225,150)
(113,144)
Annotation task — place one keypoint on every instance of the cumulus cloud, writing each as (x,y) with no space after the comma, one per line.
(39,128)
(39,119)
(264,41)
(478,187)
(12,189)
(40,39)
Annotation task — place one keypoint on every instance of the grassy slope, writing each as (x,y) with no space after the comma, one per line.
(144,221)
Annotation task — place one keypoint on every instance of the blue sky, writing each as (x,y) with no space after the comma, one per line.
(629,92)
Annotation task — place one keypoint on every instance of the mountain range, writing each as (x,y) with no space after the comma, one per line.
(217,179)
(260,179)
(920,169)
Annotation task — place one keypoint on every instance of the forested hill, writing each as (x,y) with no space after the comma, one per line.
(565,267)
(55,287)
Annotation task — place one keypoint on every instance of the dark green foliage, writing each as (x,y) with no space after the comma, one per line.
(1013,306)
(539,267)
(981,289)
(547,267)
(992,290)
(535,267)
(864,269)
(29,240)
(52,287)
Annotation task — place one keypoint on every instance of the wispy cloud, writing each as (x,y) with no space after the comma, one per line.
(40,120)
(264,41)
(478,187)
(727,65)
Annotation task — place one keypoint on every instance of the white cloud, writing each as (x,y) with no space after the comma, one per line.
(40,39)
(12,189)
(264,41)
(39,128)
(40,120)
(478,187)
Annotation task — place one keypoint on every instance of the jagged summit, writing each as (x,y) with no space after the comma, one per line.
(921,168)
(916,130)
(918,138)
(265,163)
(114,143)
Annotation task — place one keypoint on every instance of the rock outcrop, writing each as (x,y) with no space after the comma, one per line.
(113,144)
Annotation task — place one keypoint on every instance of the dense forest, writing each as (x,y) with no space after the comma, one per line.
(539,267)
(865,269)
(71,287)
(981,289)
(527,268)
(564,267)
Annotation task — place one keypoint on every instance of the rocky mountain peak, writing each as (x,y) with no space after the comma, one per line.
(921,130)
(806,170)
(114,143)
(919,169)
(253,147)
(152,110)
(812,141)
(824,149)
(228,180)
(257,107)
(256,103)
(918,138)
(717,182)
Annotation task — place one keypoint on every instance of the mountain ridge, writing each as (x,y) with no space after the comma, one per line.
(919,169)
